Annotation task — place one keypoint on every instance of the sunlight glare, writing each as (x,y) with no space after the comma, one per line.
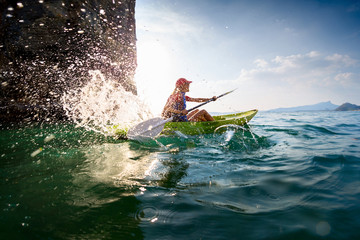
(154,74)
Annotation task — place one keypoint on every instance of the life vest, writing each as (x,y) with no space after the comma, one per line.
(178,104)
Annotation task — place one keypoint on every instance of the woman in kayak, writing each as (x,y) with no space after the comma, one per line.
(176,105)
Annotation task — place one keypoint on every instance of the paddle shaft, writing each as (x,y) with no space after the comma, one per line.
(202,104)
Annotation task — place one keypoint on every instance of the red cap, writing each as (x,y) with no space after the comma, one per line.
(182,81)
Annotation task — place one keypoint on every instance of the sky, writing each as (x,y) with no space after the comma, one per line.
(275,53)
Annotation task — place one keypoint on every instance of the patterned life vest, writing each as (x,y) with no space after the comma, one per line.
(178,102)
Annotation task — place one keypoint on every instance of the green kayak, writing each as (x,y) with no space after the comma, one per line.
(197,128)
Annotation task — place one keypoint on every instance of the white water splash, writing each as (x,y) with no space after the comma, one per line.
(103,102)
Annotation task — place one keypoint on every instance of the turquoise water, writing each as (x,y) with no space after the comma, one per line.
(293,176)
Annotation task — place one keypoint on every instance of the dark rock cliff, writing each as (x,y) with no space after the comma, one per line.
(48,46)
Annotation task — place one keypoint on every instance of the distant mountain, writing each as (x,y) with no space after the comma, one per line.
(348,107)
(323,106)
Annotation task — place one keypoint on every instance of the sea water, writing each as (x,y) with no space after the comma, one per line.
(286,176)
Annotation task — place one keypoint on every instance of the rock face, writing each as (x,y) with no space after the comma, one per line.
(48,47)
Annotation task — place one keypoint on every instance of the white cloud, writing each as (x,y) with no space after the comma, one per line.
(308,69)
(345,79)
(341,59)
(261,63)
(313,54)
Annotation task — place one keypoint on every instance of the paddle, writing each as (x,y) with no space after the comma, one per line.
(154,126)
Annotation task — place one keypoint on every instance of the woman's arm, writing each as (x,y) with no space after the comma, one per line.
(201,99)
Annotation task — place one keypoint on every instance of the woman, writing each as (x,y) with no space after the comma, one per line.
(176,105)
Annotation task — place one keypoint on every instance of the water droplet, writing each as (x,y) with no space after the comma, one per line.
(49,138)
(36,152)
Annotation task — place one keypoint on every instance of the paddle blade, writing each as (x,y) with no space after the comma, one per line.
(147,129)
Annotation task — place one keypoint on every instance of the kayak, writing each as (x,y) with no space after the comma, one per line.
(197,128)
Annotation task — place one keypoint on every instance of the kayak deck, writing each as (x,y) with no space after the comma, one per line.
(196,128)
